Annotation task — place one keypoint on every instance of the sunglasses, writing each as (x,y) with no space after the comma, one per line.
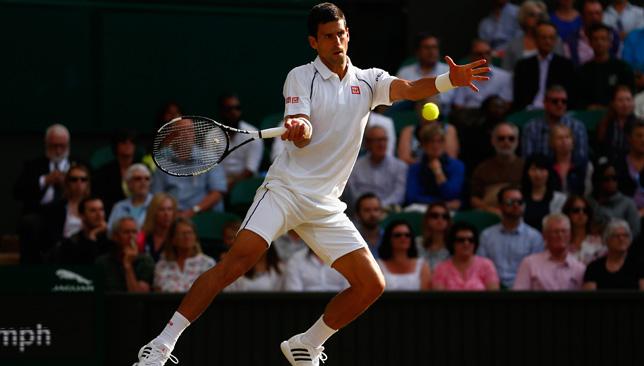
(558,100)
(401,235)
(436,216)
(464,239)
(577,210)
(513,202)
(77,178)
(509,138)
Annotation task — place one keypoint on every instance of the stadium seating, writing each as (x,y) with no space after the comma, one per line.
(242,194)
(520,118)
(590,118)
(480,219)
(209,224)
(415,219)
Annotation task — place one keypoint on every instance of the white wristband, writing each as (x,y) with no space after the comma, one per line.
(443,83)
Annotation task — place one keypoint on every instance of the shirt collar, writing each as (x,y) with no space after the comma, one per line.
(514,231)
(547,58)
(325,72)
(567,262)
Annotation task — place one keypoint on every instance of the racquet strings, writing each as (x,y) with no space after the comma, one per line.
(189,146)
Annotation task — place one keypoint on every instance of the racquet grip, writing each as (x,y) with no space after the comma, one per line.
(272,132)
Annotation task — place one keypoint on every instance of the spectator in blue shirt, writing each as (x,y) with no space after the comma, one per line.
(508,242)
(137,177)
(633,51)
(501,25)
(437,177)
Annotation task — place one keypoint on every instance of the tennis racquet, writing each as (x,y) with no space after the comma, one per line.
(192,145)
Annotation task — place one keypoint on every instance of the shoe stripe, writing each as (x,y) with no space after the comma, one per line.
(299,349)
(302,359)
(301,354)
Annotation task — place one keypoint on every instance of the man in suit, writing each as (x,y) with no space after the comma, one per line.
(533,75)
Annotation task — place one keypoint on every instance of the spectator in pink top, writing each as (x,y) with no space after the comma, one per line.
(553,269)
(465,270)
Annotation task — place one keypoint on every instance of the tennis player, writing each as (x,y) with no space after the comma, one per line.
(327,104)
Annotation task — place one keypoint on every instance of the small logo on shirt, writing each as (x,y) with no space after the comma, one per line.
(355,90)
(293,100)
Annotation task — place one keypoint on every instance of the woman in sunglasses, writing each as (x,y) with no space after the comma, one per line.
(465,270)
(399,261)
(585,246)
(538,185)
(608,202)
(436,223)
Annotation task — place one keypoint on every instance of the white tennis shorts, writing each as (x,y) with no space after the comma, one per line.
(324,226)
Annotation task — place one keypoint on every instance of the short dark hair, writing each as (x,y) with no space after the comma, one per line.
(365,197)
(122,135)
(597,27)
(83,203)
(323,13)
(421,36)
(501,193)
(455,229)
(385,251)
(546,22)
(224,96)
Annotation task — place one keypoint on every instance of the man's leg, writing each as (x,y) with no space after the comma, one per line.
(244,253)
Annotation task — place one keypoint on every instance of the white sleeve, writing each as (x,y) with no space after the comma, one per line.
(297,93)
(380,81)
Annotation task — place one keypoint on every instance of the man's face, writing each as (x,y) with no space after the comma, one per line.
(376,142)
(332,42)
(94,214)
(139,183)
(482,50)
(182,140)
(125,149)
(370,212)
(126,234)
(562,140)
(231,111)
(592,13)
(57,146)
(428,52)
(557,236)
(556,103)
(505,140)
(600,42)
(546,39)
(77,182)
(434,147)
(512,205)
(623,103)
(636,140)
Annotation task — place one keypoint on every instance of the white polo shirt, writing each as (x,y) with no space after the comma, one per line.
(338,110)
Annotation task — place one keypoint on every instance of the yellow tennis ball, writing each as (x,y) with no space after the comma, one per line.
(430,111)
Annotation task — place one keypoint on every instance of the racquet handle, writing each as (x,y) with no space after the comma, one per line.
(272,132)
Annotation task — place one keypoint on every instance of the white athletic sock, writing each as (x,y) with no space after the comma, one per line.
(173,330)
(318,333)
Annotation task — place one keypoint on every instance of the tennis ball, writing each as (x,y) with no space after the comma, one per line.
(430,111)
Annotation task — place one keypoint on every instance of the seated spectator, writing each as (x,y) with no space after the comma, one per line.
(508,242)
(161,212)
(584,245)
(524,44)
(409,145)
(109,179)
(137,178)
(536,133)
(288,244)
(633,53)
(607,200)
(86,245)
(502,169)
(432,245)
(624,17)
(577,45)
(603,73)
(265,275)
(124,268)
(399,261)
(306,272)
(377,172)
(530,84)
(369,213)
(613,128)
(199,193)
(572,175)
(437,177)
(182,261)
(566,18)
(553,269)
(377,118)
(465,270)
(500,82)
(500,25)
(617,269)
(428,64)
(538,185)
(61,219)
(244,163)
(630,169)
(168,111)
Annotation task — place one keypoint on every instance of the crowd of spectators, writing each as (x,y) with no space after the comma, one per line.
(567,193)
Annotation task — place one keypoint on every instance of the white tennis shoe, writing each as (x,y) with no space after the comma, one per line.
(155,354)
(300,354)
